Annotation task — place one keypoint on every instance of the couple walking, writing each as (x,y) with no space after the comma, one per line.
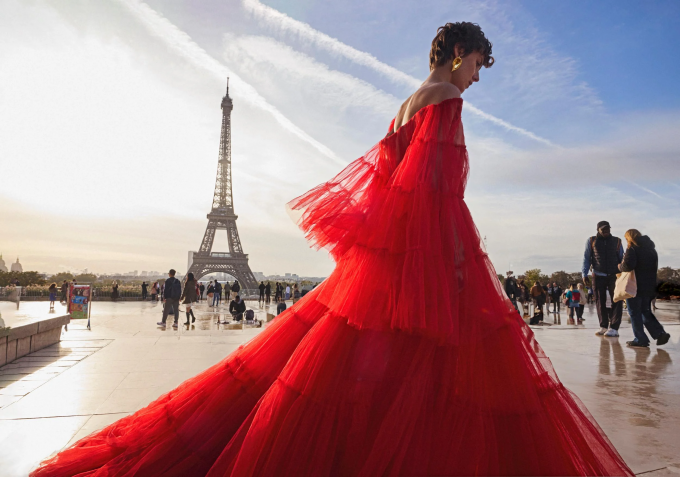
(367,374)
(604,253)
(174,294)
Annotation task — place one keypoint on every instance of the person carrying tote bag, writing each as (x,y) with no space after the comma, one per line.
(641,262)
(626,286)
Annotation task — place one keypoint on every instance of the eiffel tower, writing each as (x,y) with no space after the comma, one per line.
(222,217)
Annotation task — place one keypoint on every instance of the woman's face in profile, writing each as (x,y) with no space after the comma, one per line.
(468,72)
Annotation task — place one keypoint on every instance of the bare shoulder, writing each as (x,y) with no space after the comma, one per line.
(426,95)
(437,92)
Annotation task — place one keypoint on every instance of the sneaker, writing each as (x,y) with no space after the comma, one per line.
(635,344)
(160,323)
(663,339)
(174,325)
(601,331)
(612,333)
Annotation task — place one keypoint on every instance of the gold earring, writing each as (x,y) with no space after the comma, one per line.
(456,63)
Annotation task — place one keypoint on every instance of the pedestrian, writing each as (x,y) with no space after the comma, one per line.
(154,291)
(641,258)
(201,288)
(523,292)
(114,291)
(573,301)
(281,307)
(189,296)
(287,292)
(538,295)
(262,288)
(604,253)
(511,289)
(211,292)
(53,294)
(144,290)
(162,290)
(64,291)
(590,295)
(217,293)
(582,302)
(556,297)
(296,293)
(172,292)
(237,308)
(235,289)
(268,292)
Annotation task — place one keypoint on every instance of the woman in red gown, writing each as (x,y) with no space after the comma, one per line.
(420,366)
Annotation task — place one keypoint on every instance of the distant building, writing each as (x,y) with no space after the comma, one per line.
(16,267)
(190,259)
(3,267)
(259,276)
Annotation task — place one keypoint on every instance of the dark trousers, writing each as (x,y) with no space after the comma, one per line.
(262,296)
(609,317)
(174,304)
(578,310)
(641,317)
(513,300)
(144,295)
(556,303)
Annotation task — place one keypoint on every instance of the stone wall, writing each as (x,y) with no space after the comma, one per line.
(22,340)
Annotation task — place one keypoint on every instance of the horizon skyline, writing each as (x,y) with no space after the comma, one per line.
(112,160)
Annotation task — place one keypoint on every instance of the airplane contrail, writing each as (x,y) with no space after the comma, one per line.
(182,43)
(304,31)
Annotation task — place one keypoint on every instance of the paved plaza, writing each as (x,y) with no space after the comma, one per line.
(57,395)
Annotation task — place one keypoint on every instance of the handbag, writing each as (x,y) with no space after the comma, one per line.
(626,286)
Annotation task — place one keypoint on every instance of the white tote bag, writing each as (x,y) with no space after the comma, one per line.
(626,286)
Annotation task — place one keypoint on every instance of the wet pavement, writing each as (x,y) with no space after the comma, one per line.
(59,394)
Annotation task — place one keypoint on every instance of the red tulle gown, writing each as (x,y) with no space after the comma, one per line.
(408,360)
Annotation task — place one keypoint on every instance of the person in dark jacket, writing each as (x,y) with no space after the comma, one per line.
(235,289)
(217,294)
(556,296)
(268,293)
(604,253)
(189,296)
(511,289)
(144,290)
(237,308)
(201,289)
(261,287)
(171,295)
(641,258)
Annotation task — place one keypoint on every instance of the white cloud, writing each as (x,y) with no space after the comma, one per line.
(284,23)
(183,44)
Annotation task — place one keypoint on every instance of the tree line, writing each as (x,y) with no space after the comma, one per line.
(668,279)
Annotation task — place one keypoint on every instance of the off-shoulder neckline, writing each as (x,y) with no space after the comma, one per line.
(431,105)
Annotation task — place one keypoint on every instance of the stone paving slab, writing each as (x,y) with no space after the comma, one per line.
(126,361)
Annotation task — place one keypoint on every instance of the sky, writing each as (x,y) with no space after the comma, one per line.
(110,123)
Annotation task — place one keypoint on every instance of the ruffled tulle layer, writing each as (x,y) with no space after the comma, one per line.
(313,395)
(407,360)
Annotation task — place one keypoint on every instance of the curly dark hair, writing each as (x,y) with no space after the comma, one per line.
(469,36)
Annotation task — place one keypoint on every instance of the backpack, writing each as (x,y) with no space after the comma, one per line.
(250,315)
(176,291)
